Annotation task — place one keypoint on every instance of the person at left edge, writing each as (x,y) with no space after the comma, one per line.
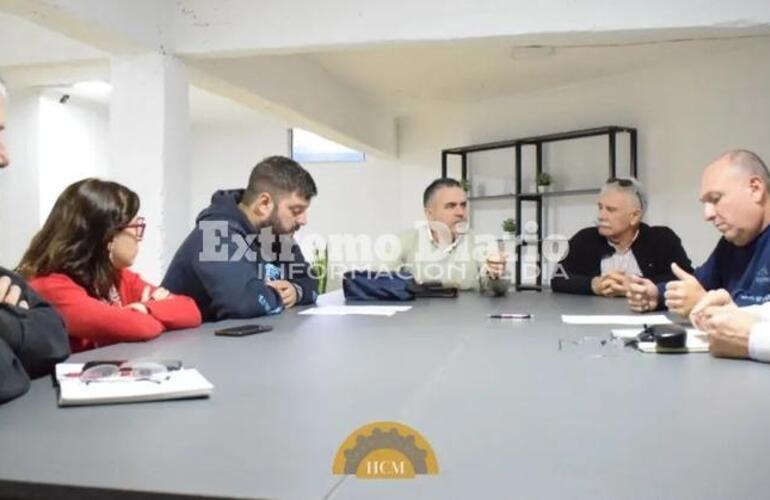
(32,335)
(79,262)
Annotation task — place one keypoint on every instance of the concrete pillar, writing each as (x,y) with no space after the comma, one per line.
(149,147)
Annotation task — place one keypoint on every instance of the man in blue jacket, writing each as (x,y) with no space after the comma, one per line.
(32,335)
(735,192)
(241,260)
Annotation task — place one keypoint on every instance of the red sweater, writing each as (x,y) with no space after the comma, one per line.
(94,323)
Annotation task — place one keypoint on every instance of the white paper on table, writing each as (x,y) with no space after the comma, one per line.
(355,310)
(697,341)
(619,319)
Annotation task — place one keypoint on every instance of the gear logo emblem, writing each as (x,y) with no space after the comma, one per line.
(385,450)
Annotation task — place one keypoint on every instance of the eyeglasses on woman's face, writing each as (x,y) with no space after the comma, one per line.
(139,225)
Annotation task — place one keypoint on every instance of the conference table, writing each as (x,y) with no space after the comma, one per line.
(508,412)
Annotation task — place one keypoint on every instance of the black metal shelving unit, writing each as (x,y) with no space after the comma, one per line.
(520,197)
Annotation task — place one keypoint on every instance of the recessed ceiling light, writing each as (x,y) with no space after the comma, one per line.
(93,89)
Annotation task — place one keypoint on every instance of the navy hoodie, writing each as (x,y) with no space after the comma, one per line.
(223,267)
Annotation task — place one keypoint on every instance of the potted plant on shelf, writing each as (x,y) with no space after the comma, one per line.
(319,268)
(509,228)
(544,181)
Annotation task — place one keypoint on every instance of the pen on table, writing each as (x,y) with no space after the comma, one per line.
(510,315)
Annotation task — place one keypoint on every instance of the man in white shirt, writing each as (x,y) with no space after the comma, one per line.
(734,332)
(441,248)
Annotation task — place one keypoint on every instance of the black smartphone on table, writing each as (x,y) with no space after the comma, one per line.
(243,330)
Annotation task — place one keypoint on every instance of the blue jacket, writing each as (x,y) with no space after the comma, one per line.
(742,271)
(222,266)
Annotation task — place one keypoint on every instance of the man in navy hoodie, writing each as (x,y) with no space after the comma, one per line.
(735,192)
(32,335)
(241,260)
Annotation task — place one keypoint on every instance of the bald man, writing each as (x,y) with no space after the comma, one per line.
(735,192)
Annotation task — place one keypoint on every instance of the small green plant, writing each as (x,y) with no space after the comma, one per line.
(466,185)
(509,225)
(319,268)
(544,179)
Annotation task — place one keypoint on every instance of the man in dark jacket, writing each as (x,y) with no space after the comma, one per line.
(602,259)
(32,335)
(241,261)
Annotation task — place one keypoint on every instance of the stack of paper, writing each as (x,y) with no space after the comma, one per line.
(355,310)
(181,384)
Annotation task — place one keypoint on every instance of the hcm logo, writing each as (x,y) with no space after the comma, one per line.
(385,450)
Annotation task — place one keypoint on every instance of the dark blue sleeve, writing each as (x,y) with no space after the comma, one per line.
(708,274)
(661,292)
(233,283)
(298,273)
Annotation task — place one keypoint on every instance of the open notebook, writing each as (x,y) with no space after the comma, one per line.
(181,384)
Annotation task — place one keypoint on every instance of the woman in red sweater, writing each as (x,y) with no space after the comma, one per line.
(79,262)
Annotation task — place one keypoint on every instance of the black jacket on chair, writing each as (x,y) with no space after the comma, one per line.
(32,340)
(655,249)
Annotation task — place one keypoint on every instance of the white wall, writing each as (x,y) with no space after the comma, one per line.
(687,113)
(52,145)
(19,200)
(72,145)
(228,139)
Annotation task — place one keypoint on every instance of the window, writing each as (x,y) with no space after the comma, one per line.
(307,147)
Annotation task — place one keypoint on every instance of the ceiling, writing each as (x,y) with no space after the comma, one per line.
(402,78)
(25,43)
(476,70)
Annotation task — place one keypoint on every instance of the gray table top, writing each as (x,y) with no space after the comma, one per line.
(507,413)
